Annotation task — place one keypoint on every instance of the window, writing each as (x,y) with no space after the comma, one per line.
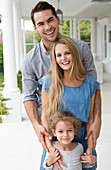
(65,29)
(84,31)
(31,38)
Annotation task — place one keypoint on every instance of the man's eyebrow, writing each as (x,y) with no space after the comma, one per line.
(39,23)
(50,18)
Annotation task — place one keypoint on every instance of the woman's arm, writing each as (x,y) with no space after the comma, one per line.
(90,144)
(96,126)
(44,118)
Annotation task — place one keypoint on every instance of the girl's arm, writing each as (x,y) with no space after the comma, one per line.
(90,144)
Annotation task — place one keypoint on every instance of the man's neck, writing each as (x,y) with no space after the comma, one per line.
(48,44)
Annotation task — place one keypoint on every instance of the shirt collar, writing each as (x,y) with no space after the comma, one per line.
(43,47)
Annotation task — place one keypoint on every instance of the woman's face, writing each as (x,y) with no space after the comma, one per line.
(63,57)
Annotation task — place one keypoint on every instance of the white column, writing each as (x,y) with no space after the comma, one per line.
(93,37)
(79,29)
(17,27)
(71,27)
(10,90)
(74,28)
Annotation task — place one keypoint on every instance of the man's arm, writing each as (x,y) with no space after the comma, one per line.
(32,112)
(29,84)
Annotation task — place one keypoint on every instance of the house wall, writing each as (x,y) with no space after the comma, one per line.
(106,63)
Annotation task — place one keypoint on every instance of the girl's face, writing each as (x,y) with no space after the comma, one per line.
(63,56)
(64,132)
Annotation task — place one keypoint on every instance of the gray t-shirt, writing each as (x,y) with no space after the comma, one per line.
(37,62)
(70,158)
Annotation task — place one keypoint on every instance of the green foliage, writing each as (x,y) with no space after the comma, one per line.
(85,28)
(65,28)
(19,80)
(30,40)
(3,109)
(1,59)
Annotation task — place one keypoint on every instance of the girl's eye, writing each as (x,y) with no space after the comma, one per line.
(60,131)
(70,130)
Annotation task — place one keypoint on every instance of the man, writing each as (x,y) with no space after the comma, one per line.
(37,62)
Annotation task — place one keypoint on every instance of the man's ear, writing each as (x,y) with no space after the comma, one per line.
(35,29)
(58,19)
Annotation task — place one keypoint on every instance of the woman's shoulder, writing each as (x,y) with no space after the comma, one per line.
(90,80)
(45,79)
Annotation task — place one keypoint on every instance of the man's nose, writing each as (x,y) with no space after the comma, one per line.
(47,26)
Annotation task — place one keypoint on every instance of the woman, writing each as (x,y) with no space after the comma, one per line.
(68,88)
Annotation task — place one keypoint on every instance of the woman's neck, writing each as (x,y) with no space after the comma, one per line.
(67,81)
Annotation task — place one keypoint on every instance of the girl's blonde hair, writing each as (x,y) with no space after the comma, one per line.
(77,72)
(63,116)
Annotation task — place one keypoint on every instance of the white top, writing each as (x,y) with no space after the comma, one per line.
(70,158)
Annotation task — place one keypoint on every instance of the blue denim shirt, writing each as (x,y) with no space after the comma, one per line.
(37,62)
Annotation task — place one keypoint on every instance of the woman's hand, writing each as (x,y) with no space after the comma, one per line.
(94,130)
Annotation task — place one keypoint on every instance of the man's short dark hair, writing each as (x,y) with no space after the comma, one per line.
(42,5)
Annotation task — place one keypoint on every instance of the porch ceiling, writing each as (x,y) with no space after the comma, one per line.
(70,8)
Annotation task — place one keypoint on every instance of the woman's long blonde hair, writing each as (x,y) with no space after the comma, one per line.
(77,72)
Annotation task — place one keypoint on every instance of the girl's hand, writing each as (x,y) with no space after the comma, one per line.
(53,156)
(88,159)
(59,160)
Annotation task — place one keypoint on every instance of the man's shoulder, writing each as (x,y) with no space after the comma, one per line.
(32,53)
(79,43)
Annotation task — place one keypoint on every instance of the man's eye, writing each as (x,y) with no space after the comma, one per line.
(41,24)
(50,20)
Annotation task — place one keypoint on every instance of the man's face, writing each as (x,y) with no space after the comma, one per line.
(47,25)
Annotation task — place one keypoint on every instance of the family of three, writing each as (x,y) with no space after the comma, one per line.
(71,102)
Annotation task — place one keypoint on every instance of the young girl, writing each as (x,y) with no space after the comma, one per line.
(64,126)
(68,88)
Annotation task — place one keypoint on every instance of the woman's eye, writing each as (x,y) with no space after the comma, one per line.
(67,53)
(58,55)
(60,131)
